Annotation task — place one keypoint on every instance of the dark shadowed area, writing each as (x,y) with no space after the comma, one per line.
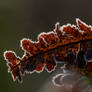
(26,19)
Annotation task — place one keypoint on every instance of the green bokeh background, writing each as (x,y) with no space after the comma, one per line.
(26,19)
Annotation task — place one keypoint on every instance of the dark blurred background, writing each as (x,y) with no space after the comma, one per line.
(26,19)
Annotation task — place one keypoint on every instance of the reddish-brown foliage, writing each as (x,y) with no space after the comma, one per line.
(50,47)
